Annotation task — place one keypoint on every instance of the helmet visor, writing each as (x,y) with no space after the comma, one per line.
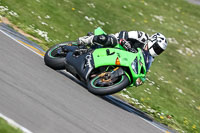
(158,50)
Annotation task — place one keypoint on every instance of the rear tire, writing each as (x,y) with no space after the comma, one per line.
(52,59)
(97,90)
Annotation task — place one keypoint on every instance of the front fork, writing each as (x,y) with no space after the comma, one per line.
(118,71)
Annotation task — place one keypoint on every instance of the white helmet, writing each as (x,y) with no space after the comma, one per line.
(157,43)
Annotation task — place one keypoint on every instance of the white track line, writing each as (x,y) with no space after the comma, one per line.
(20,43)
(10,121)
(14,124)
(155,126)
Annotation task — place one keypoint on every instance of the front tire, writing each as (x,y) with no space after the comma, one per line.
(53,60)
(94,88)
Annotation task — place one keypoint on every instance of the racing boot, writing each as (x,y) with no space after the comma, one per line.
(85,40)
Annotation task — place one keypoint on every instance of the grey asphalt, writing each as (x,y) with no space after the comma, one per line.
(197,2)
(45,101)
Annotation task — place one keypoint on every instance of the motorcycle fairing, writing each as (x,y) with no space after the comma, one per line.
(108,56)
(80,65)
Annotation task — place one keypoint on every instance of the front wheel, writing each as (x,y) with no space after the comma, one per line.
(100,86)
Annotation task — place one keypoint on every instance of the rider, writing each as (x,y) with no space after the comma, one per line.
(151,46)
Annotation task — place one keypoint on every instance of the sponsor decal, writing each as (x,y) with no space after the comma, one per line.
(88,63)
(88,58)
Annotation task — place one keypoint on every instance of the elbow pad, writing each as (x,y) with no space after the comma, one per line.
(123,35)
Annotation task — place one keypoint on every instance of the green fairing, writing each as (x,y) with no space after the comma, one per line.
(126,58)
(99,31)
(102,58)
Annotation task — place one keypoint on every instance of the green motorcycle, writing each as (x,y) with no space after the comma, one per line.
(104,70)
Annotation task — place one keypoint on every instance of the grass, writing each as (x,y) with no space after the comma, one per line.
(5,128)
(171,93)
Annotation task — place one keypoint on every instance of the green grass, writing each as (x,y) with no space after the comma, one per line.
(6,128)
(171,93)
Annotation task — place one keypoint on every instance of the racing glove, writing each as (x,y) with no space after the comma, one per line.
(125,44)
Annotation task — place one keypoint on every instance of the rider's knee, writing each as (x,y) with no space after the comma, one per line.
(105,40)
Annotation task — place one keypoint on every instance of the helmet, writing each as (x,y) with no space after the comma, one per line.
(157,43)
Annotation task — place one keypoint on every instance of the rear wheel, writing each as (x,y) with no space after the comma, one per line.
(54,59)
(103,84)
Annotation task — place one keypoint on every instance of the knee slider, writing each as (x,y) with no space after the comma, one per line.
(105,40)
(111,41)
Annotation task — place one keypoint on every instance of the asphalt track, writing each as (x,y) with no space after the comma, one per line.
(45,101)
(197,2)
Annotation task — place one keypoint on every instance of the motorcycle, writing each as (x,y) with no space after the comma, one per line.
(104,71)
